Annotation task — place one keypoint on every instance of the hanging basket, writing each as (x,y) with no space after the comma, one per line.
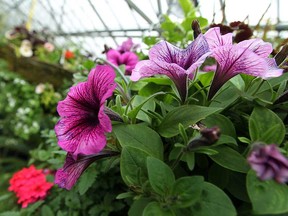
(33,70)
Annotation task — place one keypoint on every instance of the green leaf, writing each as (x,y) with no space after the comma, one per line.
(33,207)
(267,197)
(227,95)
(213,201)
(86,181)
(144,105)
(138,206)
(155,208)
(187,190)
(125,195)
(46,211)
(189,157)
(186,115)
(136,137)
(265,126)
(133,166)
(224,123)
(133,113)
(237,186)
(187,6)
(225,139)
(161,177)
(10,213)
(230,159)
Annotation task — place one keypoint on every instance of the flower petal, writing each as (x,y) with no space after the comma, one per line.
(67,176)
(258,46)
(233,60)
(101,83)
(83,123)
(215,39)
(113,56)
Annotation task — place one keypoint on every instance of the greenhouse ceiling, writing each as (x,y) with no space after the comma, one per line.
(93,23)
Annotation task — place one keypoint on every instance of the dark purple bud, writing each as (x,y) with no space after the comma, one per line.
(211,134)
(269,163)
(283,98)
(208,137)
(282,55)
(112,115)
(196,28)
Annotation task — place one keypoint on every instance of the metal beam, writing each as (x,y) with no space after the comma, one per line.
(140,12)
(108,32)
(102,21)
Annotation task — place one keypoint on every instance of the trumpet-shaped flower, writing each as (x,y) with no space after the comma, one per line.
(67,176)
(83,123)
(269,163)
(129,59)
(178,64)
(248,57)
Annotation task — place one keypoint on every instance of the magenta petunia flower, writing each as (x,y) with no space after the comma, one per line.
(269,163)
(67,176)
(83,123)
(127,46)
(129,59)
(178,64)
(248,57)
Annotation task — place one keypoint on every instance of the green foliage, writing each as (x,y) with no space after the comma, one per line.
(186,115)
(161,177)
(265,126)
(267,197)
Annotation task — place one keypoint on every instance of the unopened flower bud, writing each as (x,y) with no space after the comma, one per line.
(196,28)
(269,163)
(209,137)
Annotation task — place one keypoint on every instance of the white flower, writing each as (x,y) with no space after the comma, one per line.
(26,48)
(40,88)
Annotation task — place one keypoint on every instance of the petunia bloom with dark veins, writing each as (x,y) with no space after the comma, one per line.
(178,64)
(269,163)
(248,57)
(67,176)
(83,123)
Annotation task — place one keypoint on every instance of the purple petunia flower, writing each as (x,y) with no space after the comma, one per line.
(67,176)
(269,163)
(129,59)
(178,64)
(83,123)
(248,57)
(127,46)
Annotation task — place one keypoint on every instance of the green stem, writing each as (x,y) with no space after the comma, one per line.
(115,68)
(178,159)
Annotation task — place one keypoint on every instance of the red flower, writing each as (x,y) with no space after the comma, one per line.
(69,55)
(29,185)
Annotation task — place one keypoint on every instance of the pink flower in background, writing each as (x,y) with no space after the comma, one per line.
(208,68)
(83,123)
(29,185)
(269,163)
(67,176)
(49,47)
(127,46)
(248,57)
(129,59)
(178,64)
